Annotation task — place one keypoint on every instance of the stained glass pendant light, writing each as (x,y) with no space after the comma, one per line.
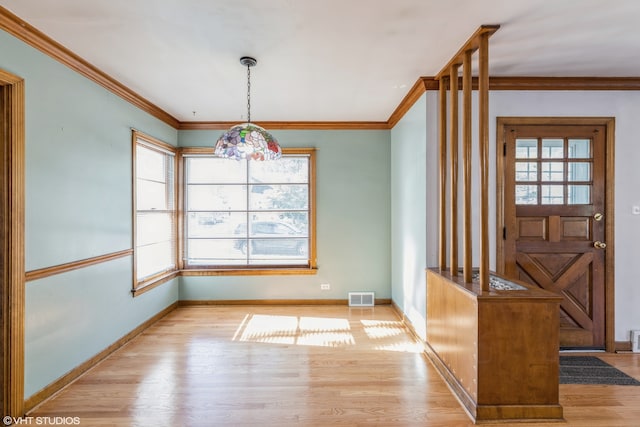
(247,140)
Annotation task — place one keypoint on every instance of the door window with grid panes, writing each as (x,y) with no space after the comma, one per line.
(553,171)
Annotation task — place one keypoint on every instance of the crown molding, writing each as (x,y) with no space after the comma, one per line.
(25,32)
(301,125)
(516,83)
(563,83)
(555,83)
(419,87)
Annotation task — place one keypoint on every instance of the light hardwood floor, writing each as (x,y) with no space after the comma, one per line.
(305,366)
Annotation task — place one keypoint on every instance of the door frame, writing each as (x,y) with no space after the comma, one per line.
(12,267)
(609,124)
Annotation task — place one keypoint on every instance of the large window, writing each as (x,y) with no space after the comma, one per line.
(155,213)
(244,214)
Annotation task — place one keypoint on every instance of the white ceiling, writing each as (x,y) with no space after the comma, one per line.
(326,60)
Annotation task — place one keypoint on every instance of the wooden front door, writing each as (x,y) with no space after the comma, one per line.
(554,221)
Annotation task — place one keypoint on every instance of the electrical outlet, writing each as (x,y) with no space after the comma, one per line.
(325,287)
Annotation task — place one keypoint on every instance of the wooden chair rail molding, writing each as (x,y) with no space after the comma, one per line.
(74,265)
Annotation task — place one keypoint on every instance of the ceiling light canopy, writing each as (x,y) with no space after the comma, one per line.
(247,140)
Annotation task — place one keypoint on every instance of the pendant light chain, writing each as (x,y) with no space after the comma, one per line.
(248,141)
(248,93)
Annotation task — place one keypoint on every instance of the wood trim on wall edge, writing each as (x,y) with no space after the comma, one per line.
(49,390)
(248,272)
(164,278)
(13,289)
(622,346)
(74,265)
(30,35)
(416,91)
(563,83)
(296,125)
(185,303)
(408,324)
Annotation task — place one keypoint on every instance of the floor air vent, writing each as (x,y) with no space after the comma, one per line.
(361,299)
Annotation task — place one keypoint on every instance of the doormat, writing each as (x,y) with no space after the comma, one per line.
(591,370)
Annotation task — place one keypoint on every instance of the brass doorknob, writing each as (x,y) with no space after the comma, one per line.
(599,245)
(598,216)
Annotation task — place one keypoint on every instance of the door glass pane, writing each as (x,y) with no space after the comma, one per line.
(579,171)
(526,171)
(579,194)
(552,194)
(526,194)
(552,148)
(552,171)
(526,148)
(579,149)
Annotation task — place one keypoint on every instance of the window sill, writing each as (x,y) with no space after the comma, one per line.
(141,288)
(157,281)
(248,271)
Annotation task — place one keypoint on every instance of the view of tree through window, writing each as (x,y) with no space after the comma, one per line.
(244,213)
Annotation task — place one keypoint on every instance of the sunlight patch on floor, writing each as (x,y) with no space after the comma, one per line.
(313,331)
(384,335)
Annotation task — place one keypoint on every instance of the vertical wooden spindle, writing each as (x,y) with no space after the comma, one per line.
(466,165)
(483,130)
(442,165)
(453,162)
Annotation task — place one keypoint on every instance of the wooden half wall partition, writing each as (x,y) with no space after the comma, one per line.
(494,341)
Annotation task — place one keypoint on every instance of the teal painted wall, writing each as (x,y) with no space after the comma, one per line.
(408,213)
(78,205)
(353,221)
(72,317)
